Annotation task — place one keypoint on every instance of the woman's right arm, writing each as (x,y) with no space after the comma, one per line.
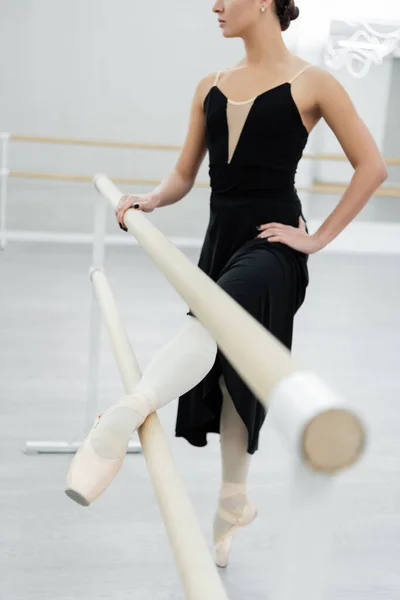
(182,178)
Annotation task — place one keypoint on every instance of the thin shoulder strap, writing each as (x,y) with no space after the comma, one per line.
(216,78)
(299,73)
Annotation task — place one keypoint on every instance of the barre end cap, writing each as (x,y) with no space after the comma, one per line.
(333,440)
(316,422)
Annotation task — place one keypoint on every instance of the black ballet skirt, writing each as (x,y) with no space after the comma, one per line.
(268,279)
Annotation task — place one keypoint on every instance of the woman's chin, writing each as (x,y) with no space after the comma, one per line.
(229,33)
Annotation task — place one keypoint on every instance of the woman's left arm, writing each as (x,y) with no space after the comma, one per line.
(333,103)
(337,109)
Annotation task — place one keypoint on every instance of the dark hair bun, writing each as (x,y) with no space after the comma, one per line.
(286,11)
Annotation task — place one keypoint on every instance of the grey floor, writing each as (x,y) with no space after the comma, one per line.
(348,331)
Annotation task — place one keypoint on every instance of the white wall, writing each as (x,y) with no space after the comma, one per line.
(123,70)
(391,146)
(370,10)
(98,69)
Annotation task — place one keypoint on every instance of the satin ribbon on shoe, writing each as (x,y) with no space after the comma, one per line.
(222,546)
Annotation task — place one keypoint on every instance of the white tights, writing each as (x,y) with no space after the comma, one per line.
(174,370)
(235,463)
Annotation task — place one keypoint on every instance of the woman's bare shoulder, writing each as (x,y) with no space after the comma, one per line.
(209,79)
(315,72)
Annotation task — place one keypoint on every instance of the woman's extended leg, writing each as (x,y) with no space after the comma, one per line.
(174,369)
(234,509)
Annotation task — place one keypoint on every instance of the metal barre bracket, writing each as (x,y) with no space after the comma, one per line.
(67,447)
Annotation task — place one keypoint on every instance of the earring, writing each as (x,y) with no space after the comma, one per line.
(262,9)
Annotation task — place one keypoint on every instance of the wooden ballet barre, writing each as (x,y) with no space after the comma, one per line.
(315,422)
(84,178)
(193,559)
(343,158)
(92,143)
(338,188)
(144,146)
(316,188)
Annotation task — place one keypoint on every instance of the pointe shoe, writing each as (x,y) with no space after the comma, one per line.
(222,547)
(90,474)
